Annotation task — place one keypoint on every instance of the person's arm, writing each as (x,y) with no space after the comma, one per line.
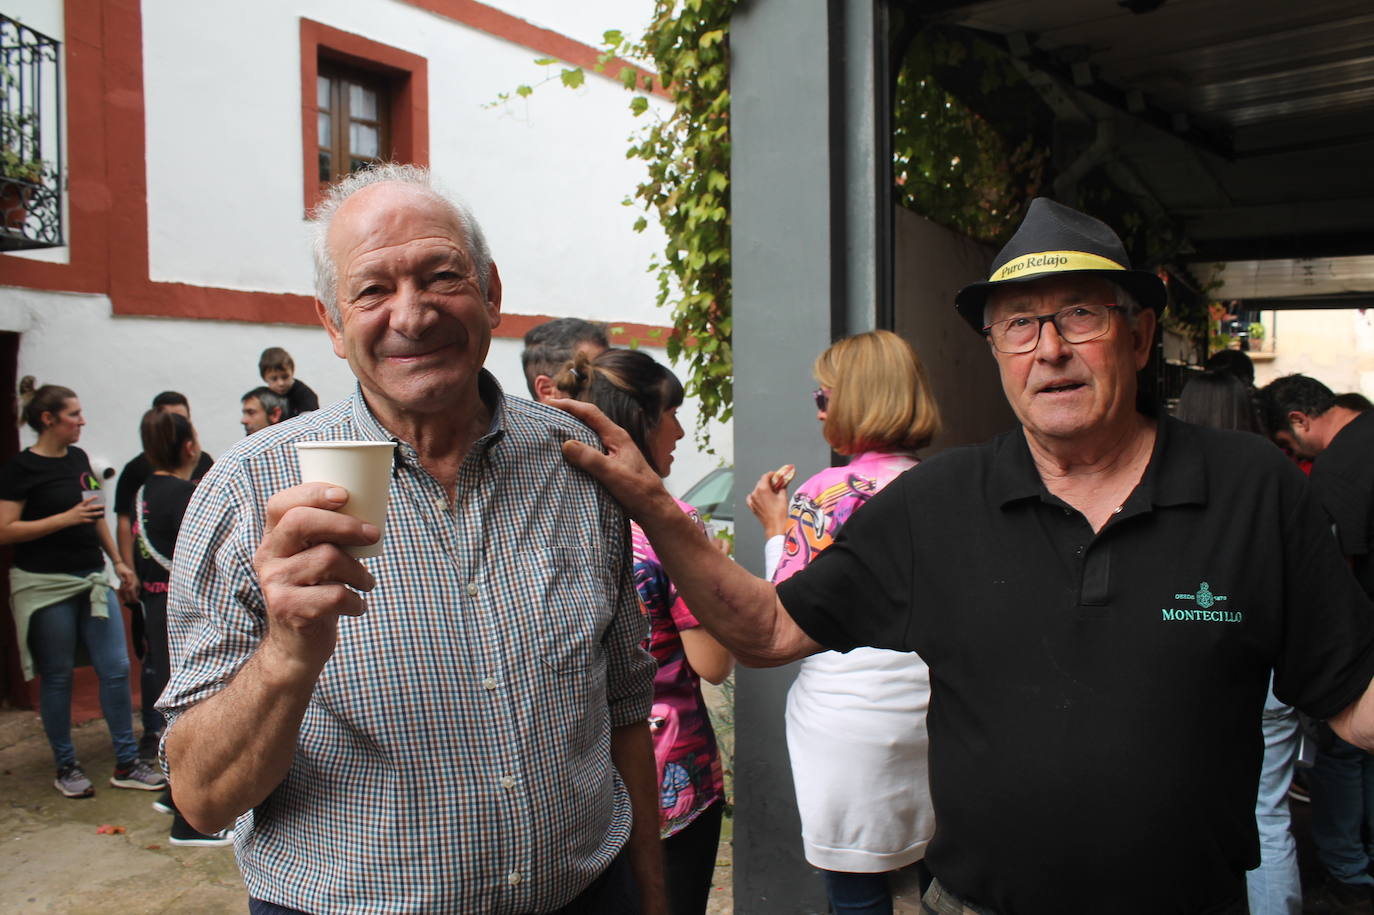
(769,505)
(12,530)
(229,751)
(128,582)
(124,538)
(743,612)
(1355,723)
(710,659)
(632,752)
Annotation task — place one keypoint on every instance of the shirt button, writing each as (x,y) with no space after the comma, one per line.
(515,878)
(1117,510)
(508,781)
(472,589)
(441,504)
(489,683)
(1068,512)
(1078,552)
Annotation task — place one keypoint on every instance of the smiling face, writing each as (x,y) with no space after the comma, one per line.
(1066,391)
(415,326)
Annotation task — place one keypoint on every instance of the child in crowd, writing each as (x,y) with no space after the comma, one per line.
(278,370)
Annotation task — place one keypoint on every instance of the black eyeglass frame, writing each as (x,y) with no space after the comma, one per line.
(822,398)
(1042,320)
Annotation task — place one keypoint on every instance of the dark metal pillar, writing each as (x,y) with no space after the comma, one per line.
(811,215)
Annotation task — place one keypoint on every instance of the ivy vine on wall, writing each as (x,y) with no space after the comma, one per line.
(686,153)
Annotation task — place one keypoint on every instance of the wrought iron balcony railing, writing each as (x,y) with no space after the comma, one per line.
(30,138)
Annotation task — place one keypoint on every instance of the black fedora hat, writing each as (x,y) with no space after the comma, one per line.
(1055,240)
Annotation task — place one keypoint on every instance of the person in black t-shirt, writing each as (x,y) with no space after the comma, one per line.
(1304,416)
(173,452)
(51,509)
(278,370)
(1100,595)
(130,479)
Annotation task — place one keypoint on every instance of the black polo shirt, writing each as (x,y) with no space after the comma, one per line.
(1343,479)
(1095,714)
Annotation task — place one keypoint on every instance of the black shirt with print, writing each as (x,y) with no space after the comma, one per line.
(1096,697)
(48,486)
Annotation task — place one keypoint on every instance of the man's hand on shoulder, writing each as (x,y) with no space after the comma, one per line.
(621,469)
(306,577)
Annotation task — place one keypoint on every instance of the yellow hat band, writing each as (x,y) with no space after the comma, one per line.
(1052,262)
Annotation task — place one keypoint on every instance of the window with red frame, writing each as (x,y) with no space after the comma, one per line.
(354,120)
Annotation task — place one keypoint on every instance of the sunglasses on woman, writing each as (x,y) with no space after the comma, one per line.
(822,398)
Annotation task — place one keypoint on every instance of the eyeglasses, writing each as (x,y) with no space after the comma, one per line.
(822,398)
(1076,324)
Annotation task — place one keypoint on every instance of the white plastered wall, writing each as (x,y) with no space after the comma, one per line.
(1334,346)
(545,177)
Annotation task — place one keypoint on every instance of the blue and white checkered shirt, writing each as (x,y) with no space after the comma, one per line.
(455,756)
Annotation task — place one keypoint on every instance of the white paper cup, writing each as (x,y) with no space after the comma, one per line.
(362,468)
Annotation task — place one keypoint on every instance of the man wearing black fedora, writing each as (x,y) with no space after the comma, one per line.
(1100,594)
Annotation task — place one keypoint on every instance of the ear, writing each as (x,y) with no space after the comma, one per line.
(544,388)
(275,416)
(1298,420)
(1144,339)
(335,335)
(494,296)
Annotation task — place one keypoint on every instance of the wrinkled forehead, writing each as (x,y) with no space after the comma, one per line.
(392,214)
(1046,295)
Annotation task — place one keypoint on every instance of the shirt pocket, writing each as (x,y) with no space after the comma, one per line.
(566,608)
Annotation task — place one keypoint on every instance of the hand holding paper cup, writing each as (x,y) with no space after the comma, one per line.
(362,468)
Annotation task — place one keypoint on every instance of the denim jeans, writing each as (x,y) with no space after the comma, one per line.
(858,894)
(1342,785)
(1274,887)
(53,634)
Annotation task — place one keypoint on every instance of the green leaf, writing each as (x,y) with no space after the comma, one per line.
(573,77)
(523,91)
(545,61)
(639,104)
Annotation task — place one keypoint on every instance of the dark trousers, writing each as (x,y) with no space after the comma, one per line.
(614,892)
(940,901)
(157,662)
(689,862)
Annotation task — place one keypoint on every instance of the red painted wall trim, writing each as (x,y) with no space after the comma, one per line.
(107,176)
(548,43)
(409,102)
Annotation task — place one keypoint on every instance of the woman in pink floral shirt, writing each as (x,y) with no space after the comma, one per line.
(642,397)
(856,721)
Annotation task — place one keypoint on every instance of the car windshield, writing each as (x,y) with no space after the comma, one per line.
(713,495)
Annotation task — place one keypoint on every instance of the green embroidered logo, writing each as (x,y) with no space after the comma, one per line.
(1205,599)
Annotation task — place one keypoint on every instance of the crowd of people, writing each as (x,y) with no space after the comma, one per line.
(1037,670)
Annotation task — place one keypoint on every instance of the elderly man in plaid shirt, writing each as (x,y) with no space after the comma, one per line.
(470,736)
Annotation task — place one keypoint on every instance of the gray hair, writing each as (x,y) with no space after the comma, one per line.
(322,217)
(269,399)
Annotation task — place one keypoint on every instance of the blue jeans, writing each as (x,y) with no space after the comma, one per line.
(858,894)
(1274,887)
(53,634)
(1342,785)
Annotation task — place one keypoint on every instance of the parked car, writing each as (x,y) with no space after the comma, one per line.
(714,497)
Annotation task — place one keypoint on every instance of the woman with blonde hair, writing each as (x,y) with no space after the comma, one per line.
(856,722)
